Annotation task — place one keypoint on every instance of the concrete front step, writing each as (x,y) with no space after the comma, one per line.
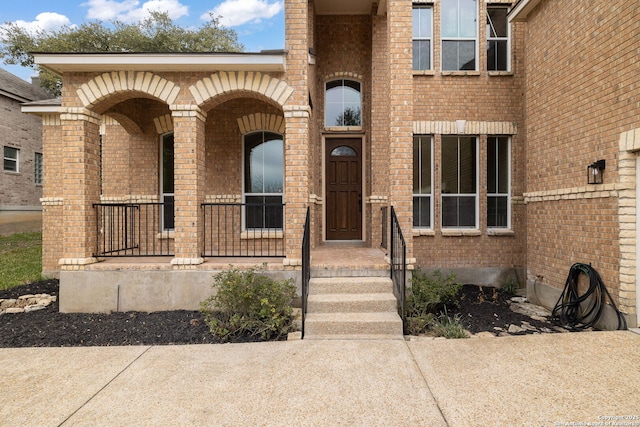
(352,303)
(354,337)
(332,271)
(352,324)
(350,285)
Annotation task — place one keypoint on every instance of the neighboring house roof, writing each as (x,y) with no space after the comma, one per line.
(521,10)
(14,87)
(50,105)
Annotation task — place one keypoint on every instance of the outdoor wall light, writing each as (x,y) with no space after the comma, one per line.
(595,172)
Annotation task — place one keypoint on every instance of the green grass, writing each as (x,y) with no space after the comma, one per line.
(20,259)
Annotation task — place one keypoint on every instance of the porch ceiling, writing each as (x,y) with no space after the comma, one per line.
(348,7)
(103,62)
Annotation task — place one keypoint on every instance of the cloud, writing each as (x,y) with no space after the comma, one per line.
(130,10)
(46,21)
(238,12)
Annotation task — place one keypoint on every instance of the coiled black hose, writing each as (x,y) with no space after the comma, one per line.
(578,312)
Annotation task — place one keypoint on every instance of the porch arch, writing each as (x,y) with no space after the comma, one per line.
(109,84)
(275,90)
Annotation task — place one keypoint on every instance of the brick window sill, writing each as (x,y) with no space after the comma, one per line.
(460,73)
(165,235)
(461,233)
(417,232)
(500,232)
(424,72)
(261,234)
(343,129)
(500,73)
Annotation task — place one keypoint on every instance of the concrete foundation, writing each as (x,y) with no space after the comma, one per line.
(547,296)
(103,291)
(496,277)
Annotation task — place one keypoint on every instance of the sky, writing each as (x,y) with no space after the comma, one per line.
(259,23)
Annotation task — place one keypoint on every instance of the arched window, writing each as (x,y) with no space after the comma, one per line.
(343,103)
(263,180)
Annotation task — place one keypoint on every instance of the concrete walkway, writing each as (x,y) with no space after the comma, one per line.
(535,380)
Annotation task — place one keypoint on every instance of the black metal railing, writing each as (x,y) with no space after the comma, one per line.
(306,266)
(131,229)
(398,264)
(243,229)
(384,213)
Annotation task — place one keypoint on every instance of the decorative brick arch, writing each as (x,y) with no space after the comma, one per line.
(107,85)
(222,83)
(346,75)
(261,121)
(164,124)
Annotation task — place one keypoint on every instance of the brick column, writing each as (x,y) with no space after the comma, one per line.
(296,167)
(80,185)
(399,33)
(189,181)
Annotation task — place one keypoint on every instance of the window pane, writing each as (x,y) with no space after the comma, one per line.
(263,212)
(497,55)
(459,18)
(422,18)
(492,165)
(449,18)
(343,150)
(503,164)
(38,168)
(458,55)
(342,103)
(421,165)
(449,165)
(467,165)
(422,211)
(264,163)
(11,159)
(497,22)
(497,211)
(458,211)
(421,54)
(167,164)
(168,212)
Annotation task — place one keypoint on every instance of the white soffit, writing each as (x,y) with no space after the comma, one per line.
(521,10)
(102,62)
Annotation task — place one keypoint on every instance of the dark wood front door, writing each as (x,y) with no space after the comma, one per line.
(344,188)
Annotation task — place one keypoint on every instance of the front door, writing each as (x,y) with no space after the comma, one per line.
(344,188)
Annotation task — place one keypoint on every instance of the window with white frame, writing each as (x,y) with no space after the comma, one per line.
(497,38)
(422,181)
(459,184)
(343,103)
(498,182)
(459,29)
(11,159)
(167,181)
(37,169)
(422,36)
(263,180)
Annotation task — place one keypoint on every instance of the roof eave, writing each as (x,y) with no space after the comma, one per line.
(520,12)
(61,63)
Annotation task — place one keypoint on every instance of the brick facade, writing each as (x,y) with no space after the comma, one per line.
(582,105)
(19,190)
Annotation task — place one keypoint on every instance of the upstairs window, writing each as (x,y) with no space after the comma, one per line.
(422,37)
(459,34)
(498,182)
(11,159)
(343,102)
(497,38)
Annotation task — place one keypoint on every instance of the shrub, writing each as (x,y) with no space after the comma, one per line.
(510,287)
(429,294)
(249,304)
(448,327)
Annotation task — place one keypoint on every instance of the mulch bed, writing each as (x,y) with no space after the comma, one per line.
(481,309)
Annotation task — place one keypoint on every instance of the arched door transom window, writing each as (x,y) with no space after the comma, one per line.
(343,103)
